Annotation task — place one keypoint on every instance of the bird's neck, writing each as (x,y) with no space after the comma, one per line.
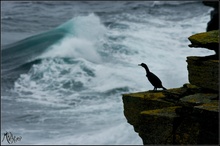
(147,70)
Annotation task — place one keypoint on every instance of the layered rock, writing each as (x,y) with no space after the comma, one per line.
(186,115)
(203,72)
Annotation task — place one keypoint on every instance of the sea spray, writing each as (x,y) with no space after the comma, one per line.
(82,39)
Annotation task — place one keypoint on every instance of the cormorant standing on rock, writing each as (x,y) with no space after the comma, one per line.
(154,80)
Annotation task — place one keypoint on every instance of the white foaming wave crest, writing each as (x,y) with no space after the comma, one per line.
(74,48)
(111,76)
(53,77)
(81,41)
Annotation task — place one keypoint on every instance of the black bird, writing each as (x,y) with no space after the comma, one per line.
(154,80)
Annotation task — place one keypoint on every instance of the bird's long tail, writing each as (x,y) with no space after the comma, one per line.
(164,88)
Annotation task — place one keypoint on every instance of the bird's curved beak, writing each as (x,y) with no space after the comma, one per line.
(139,64)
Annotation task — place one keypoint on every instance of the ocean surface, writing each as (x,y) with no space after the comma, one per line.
(65,65)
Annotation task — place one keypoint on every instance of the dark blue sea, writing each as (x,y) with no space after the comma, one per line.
(66,64)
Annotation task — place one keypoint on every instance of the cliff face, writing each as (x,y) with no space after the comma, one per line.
(185,115)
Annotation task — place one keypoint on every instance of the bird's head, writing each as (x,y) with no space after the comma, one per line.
(143,65)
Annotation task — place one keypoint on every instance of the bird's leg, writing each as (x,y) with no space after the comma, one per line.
(155,88)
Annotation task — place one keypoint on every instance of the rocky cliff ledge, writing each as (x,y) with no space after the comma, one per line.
(185,115)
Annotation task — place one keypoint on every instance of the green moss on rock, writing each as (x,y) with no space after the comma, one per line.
(163,112)
(209,40)
(205,37)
